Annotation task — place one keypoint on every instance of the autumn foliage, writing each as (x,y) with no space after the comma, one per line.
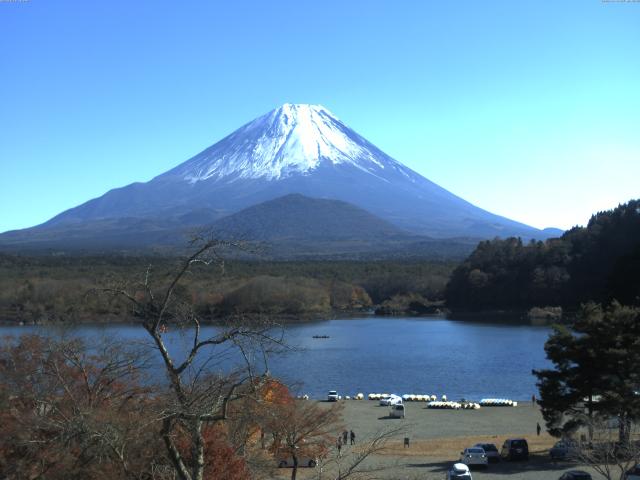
(221,459)
(70,411)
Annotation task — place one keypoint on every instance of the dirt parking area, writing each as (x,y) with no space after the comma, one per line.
(436,438)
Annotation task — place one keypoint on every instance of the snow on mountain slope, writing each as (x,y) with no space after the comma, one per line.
(293,139)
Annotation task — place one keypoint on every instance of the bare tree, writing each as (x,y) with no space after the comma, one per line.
(605,453)
(200,388)
(356,462)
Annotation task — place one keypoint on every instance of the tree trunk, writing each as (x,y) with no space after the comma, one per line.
(624,429)
(294,471)
(198,450)
(590,413)
(174,453)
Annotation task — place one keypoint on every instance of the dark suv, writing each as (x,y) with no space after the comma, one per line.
(515,449)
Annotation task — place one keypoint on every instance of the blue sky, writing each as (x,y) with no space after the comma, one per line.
(528,109)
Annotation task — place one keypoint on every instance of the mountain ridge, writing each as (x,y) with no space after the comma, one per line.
(297,148)
(292,227)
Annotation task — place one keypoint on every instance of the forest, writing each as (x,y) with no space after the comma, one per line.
(47,289)
(599,262)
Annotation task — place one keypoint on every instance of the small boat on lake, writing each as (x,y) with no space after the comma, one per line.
(321,336)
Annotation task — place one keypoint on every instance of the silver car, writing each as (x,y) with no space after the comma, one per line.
(474,456)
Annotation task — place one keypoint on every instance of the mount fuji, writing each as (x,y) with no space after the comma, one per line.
(295,149)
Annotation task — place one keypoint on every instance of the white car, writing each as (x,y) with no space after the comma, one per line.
(332,396)
(459,471)
(474,456)
(392,399)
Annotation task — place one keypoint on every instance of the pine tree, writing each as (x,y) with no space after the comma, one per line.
(596,370)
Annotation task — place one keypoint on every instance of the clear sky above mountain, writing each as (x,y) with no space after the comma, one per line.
(527,109)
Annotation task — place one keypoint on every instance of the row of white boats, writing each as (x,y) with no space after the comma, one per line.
(454,405)
(498,402)
(431,400)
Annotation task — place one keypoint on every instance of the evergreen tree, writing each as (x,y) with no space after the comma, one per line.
(596,370)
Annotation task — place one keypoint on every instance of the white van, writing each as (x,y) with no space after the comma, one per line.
(397,411)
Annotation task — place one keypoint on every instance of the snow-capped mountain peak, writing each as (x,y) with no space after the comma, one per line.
(293,139)
(295,149)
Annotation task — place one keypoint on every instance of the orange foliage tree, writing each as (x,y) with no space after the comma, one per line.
(221,459)
(301,429)
(68,411)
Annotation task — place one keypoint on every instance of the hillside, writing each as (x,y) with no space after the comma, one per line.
(295,217)
(599,262)
(295,226)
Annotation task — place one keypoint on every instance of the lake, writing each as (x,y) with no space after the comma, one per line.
(462,359)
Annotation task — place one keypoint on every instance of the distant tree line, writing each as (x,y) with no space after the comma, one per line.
(44,289)
(599,262)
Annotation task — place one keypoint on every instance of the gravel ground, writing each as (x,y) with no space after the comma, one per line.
(424,423)
(438,436)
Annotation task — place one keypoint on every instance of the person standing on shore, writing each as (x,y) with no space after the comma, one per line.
(533,400)
(353,437)
(339,446)
(345,436)
(538,428)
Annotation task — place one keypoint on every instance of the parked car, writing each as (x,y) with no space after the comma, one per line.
(474,456)
(575,475)
(515,449)
(397,411)
(634,473)
(459,471)
(392,399)
(490,450)
(332,396)
(563,449)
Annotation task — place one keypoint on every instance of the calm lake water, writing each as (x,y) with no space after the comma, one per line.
(461,359)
